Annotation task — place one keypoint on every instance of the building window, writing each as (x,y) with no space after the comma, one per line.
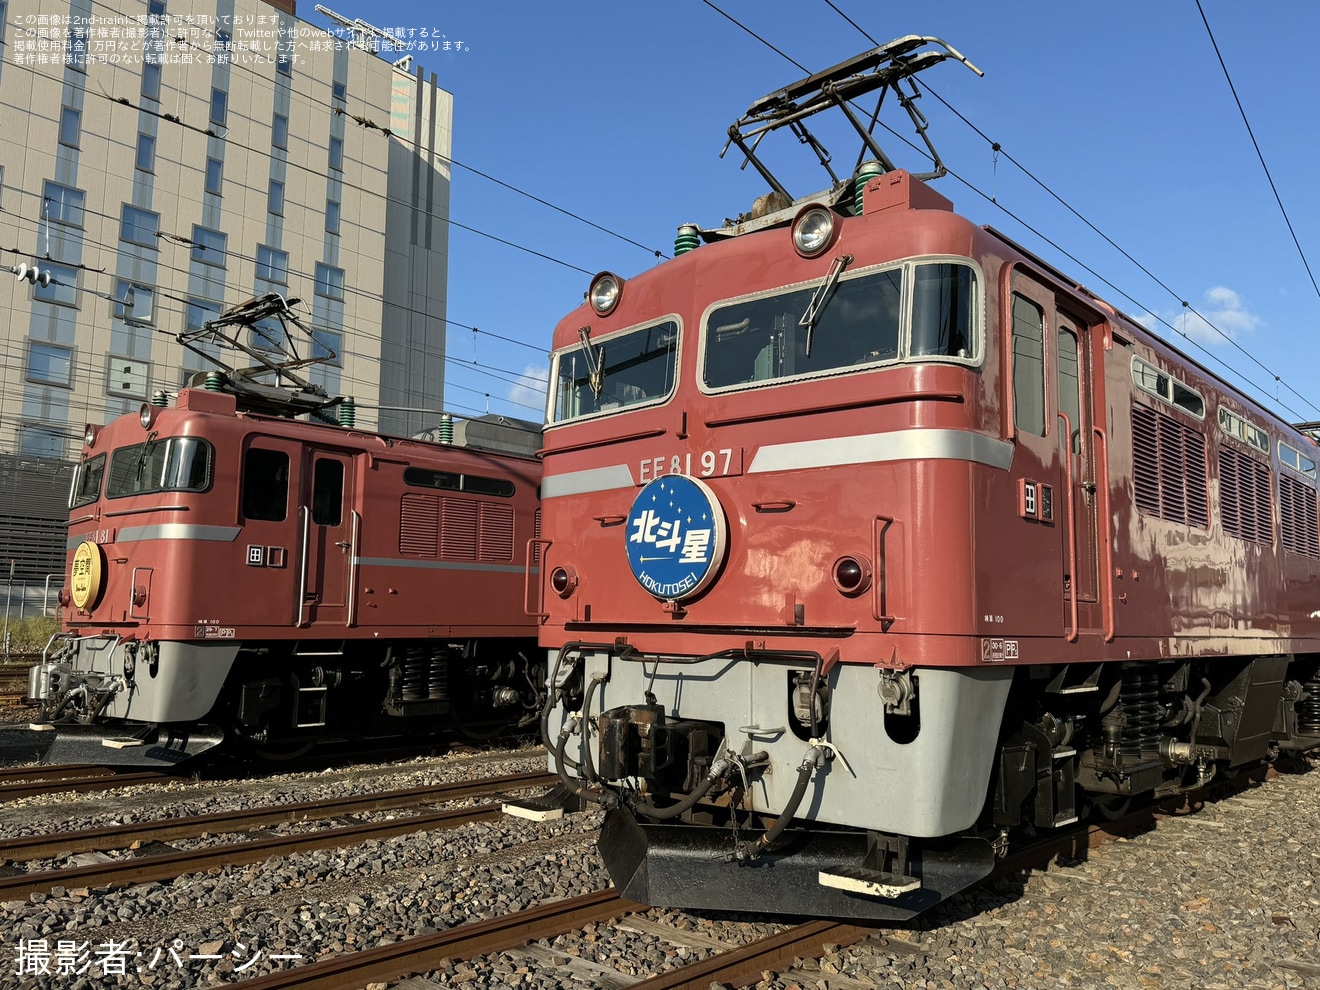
(327,346)
(338,94)
(50,364)
(134,303)
(41,441)
(329,281)
(4,16)
(63,288)
(128,378)
(215,169)
(151,80)
(223,47)
(272,265)
(146,153)
(332,216)
(337,154)
(267,335)
(63,204)
(70,124)
(208,246)
(139,226)
(219,106)
(156,8)
(276,197)
(75,55)
(284,62)
(199,312)
(279,132)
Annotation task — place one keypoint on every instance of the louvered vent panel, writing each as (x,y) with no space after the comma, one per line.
(1168,467)
(1244,497)
(419,525)
(496,533)
(458,529)
(1263,523)
(536,532)
(1145,459)
(1297,511)
(1230,493)
(1198,503)
(1173,494)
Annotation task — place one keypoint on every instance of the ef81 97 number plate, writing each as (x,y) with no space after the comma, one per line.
(724,462)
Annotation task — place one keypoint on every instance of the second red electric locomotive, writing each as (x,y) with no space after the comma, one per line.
(278,581)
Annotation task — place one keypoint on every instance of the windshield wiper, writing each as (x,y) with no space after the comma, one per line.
(595,362)
(142,455)
(821,297)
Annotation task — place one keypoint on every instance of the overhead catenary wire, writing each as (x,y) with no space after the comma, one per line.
(1256,144)
(1230,370)
(340,109)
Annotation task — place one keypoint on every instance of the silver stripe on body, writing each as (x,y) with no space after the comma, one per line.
(170,531)
(873,448)
(581,482)
(441,565)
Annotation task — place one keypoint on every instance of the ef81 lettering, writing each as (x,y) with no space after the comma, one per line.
(695,464)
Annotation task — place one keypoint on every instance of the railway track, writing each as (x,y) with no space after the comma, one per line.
(82,778)
(170,864)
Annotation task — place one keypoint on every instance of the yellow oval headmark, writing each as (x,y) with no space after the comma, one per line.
(85,578)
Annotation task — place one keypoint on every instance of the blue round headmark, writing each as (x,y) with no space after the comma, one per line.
(676,537)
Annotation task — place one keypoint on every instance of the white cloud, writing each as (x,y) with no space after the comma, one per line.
(530,391)
(1222,312)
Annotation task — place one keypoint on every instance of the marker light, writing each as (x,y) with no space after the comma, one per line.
(563,580)
(852,575)
(813,231)
(606,288)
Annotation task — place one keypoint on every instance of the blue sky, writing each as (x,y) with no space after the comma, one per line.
(618,111)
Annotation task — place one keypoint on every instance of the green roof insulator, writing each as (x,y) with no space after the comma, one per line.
(213,381)
(348,412)
(687,239)
(446,430)
(865,172)
(159,398)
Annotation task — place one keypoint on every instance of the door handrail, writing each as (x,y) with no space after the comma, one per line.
(1072,523)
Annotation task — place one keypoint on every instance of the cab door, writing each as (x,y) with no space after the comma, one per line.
(330,524)
(1076,439)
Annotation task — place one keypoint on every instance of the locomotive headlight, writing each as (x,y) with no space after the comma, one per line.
(146,415)
(563,580)
(606,288)
(89,435)
(813,231)
(852,575)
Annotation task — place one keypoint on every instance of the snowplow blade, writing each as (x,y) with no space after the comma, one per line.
(687,866)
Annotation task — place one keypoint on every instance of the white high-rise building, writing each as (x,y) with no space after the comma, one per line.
(165,160)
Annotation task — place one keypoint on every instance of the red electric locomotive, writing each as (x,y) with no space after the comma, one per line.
(276,581)
(873,543)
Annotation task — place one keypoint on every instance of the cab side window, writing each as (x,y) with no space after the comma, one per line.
(265,484)
(1028,366)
